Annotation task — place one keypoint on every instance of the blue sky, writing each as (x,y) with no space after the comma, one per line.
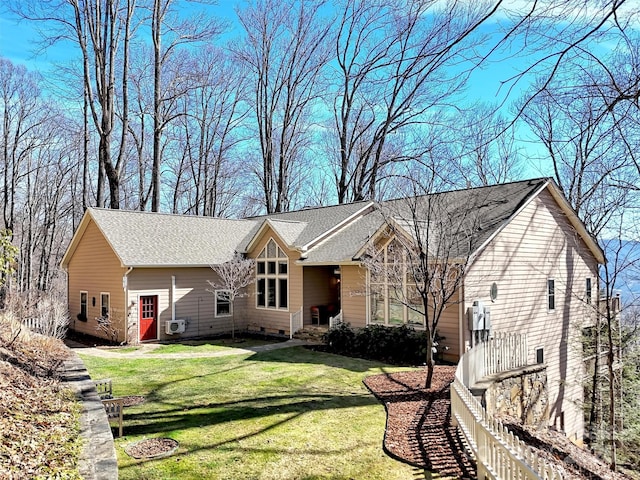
(19,43)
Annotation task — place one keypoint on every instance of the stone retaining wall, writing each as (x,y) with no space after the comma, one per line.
(520,393)
(98,458)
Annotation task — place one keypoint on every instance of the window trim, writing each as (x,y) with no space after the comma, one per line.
(551,294)
(102,312)
(272,277)
(215,308)
(83,315)
(588,290)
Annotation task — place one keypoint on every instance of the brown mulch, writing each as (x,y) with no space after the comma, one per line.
(419,429)
(132,400)
(151,447)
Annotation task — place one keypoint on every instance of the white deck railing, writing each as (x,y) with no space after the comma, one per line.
(498,453)
(505,351)
(296,322)
(334,321)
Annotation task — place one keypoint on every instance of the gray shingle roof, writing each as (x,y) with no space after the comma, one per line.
(156,239)
(472,215)
(318,220)
(345,244)
(153,239)
(484,209)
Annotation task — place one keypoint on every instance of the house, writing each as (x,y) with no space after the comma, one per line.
(530,263)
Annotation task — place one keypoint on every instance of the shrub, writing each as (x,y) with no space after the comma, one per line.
(400,345)
(339,338)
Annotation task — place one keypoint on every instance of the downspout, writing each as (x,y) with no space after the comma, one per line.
(125,287)
(173,297)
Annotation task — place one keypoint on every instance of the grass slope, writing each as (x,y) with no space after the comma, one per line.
(285,414)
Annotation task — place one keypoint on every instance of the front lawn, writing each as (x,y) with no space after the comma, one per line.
(285,414)
(207,346)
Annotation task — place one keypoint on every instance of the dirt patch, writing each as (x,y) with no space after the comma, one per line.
(152,448)
(574,462)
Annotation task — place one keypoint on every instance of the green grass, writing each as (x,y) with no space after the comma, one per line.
(209,345)
(285,414)
(124,349)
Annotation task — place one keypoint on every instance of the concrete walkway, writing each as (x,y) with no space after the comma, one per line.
(145,350)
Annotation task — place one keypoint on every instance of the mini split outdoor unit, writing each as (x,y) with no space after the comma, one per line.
(175,326)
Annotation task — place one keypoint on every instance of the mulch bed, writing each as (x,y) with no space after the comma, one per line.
(152,448)
(419,429)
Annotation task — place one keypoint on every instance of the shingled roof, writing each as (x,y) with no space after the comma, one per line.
(323,235)
(162,240)
(319,221)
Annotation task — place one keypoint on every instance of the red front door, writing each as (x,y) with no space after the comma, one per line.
(149,317)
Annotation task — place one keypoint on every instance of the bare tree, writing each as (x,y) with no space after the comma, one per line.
(22,113)
(485,151)
(233,278)
(587,153)
(424,255)
(209,132)
(8,255)
(101,30)
(284,51)
(395,70)
(168,33)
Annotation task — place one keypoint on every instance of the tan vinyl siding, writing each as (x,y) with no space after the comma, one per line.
(95,268)
(275,321)
(540,244)
(193,302)
(354,302)
(449,328)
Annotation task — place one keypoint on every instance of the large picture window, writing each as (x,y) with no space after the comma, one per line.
(394,304)
(272,277)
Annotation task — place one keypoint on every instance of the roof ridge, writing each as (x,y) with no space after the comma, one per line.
(167,214)
(308,209)
(469,189)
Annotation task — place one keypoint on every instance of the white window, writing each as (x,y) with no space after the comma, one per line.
(588,290)
(551,293)
(104,304)
(272,277)
(84,297)
(223,303)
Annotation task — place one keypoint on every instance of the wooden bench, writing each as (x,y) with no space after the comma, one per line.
(104,388)
(114,408)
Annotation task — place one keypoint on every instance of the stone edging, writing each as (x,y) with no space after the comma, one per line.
(98,457)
